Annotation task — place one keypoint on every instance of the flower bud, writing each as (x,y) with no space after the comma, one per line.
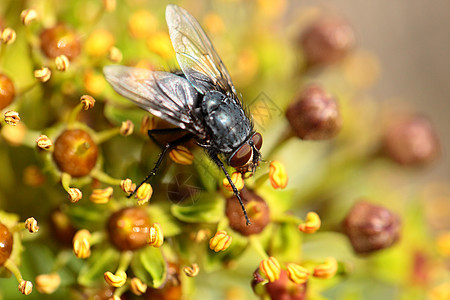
(191,271)
(61,228)
(44,142)
(101,196)
(326,41)
(220,241)
(48,283)
(237,179)
(312,223)
(116,280)
(277,175)
(60,40)
(8,36)
(75,152)
(32,176)
(7,91)
(31,225)
(127,186)
(156,237)
(314,115)
(25,287)
(6,243)
(257,210)
(88,101)
(75,195)
(270,268)
(62,63)
(327,269)
(137,287)
(12,117)
(81,244)
(297,273)
(371,227)
(411,141)
(126,128)
(144,193)
(115,55)
(28,15)
(128,228)
(181,155)
(43,74)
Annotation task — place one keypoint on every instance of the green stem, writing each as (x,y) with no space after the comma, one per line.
(65,181)
(105,178)
(125,260)
(256,244)
(12,267)
(74,114)
(107,134)
(283,138)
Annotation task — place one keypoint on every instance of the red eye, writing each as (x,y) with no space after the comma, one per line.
(241,156)
(257,140)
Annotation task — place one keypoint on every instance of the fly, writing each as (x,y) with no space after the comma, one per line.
(202,102)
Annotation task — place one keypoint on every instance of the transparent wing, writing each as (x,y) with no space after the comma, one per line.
(195,53)
(163,94)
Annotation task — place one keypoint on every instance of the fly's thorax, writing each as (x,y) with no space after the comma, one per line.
(225,121)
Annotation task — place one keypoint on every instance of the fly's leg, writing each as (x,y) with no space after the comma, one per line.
(235,190)
(166,148)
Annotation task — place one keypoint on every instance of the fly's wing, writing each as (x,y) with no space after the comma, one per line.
(163,94)
(195,53)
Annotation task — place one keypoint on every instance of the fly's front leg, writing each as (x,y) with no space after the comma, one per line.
(235,190)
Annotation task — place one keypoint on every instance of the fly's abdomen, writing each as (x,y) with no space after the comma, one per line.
(226,121)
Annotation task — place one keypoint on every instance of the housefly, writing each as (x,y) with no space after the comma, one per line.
(202,101)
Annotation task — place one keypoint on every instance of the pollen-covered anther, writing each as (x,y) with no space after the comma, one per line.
(312,223)
(126,128)
(25,287)
(277,175)
(48,283)
(156,236)
(297,273)
(127,186)
(220,241)
(270,268)
(81,244)
(101,196)
(31,225)
(43,74)
(181,155)
(62,62)
(327,269)
(191,271)
(88,101)
(115,280)
(144,193)
(115,55)
(75,195)
(44,142)
(137,287)
(8,36)
(12,117)
(237,179)
(28,15)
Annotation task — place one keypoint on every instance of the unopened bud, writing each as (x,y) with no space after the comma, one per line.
(12,117)
(43,74)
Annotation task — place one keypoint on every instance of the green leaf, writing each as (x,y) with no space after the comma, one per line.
(150,266)
(207,207)
(94,268)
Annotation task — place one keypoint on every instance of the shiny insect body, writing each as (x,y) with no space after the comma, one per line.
(202,101)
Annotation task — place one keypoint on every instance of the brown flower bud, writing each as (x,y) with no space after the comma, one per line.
(128,228)
(314,115)
(327,40)
(75,152)
(12,117)
(283,288)
(6,243)
(7,91)
(257,210)
(60,40)
(8,36)
(43,74)
(371,227)
(62,228)
(62,63)
(411,141)
(28,15)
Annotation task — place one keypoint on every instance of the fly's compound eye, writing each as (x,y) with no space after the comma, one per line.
(242,156)
(257,140)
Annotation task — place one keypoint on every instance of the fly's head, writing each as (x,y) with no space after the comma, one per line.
(247,157)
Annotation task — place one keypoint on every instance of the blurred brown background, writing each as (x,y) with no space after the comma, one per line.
(411,39)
